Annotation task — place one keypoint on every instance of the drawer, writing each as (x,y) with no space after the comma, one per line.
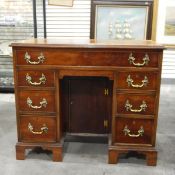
(36,78)
(129,103)
(37,129)
(36,101)
(134,131)
(88,57)
(137,80)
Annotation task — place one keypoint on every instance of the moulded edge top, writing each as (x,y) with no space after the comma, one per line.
(87,43)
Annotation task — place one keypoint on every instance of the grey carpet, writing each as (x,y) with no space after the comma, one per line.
(87,158)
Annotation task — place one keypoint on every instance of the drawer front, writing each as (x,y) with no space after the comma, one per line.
(137,80)
(80,57)
(37,101)
(136,104)
(134,131)
(37,129)
(39,78)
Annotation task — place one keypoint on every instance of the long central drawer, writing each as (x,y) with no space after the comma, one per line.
(88,57)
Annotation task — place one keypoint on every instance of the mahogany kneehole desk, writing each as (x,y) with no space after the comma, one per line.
(81,86)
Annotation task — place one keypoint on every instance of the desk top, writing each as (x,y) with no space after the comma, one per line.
(87,43)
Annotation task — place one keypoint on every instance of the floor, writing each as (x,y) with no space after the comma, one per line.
(87,158)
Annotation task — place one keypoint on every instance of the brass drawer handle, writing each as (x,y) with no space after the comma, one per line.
(128,132)
(41,58)
(43,103)
(128,107)
(44,129)
(130,81)
(42,80)
(145,59)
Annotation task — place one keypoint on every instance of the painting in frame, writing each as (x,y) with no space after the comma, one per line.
(120,20)
(61,2)
(166,22)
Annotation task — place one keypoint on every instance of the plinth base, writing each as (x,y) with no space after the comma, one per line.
(56,149)
(149,152)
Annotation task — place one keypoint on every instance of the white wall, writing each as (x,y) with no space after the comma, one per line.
(168,69)
(69,22)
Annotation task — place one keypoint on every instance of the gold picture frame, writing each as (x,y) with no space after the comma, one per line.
(154,20)
(61,2)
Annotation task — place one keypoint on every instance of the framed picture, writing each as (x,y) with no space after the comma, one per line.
(61,2)
(121,20)
(166,22)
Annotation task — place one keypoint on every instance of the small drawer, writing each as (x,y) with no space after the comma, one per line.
(39,78)
(137,80)
(134,131)
(36,101)
(37,129)
(129,103)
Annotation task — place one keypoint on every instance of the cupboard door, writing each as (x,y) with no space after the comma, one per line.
(88,105)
